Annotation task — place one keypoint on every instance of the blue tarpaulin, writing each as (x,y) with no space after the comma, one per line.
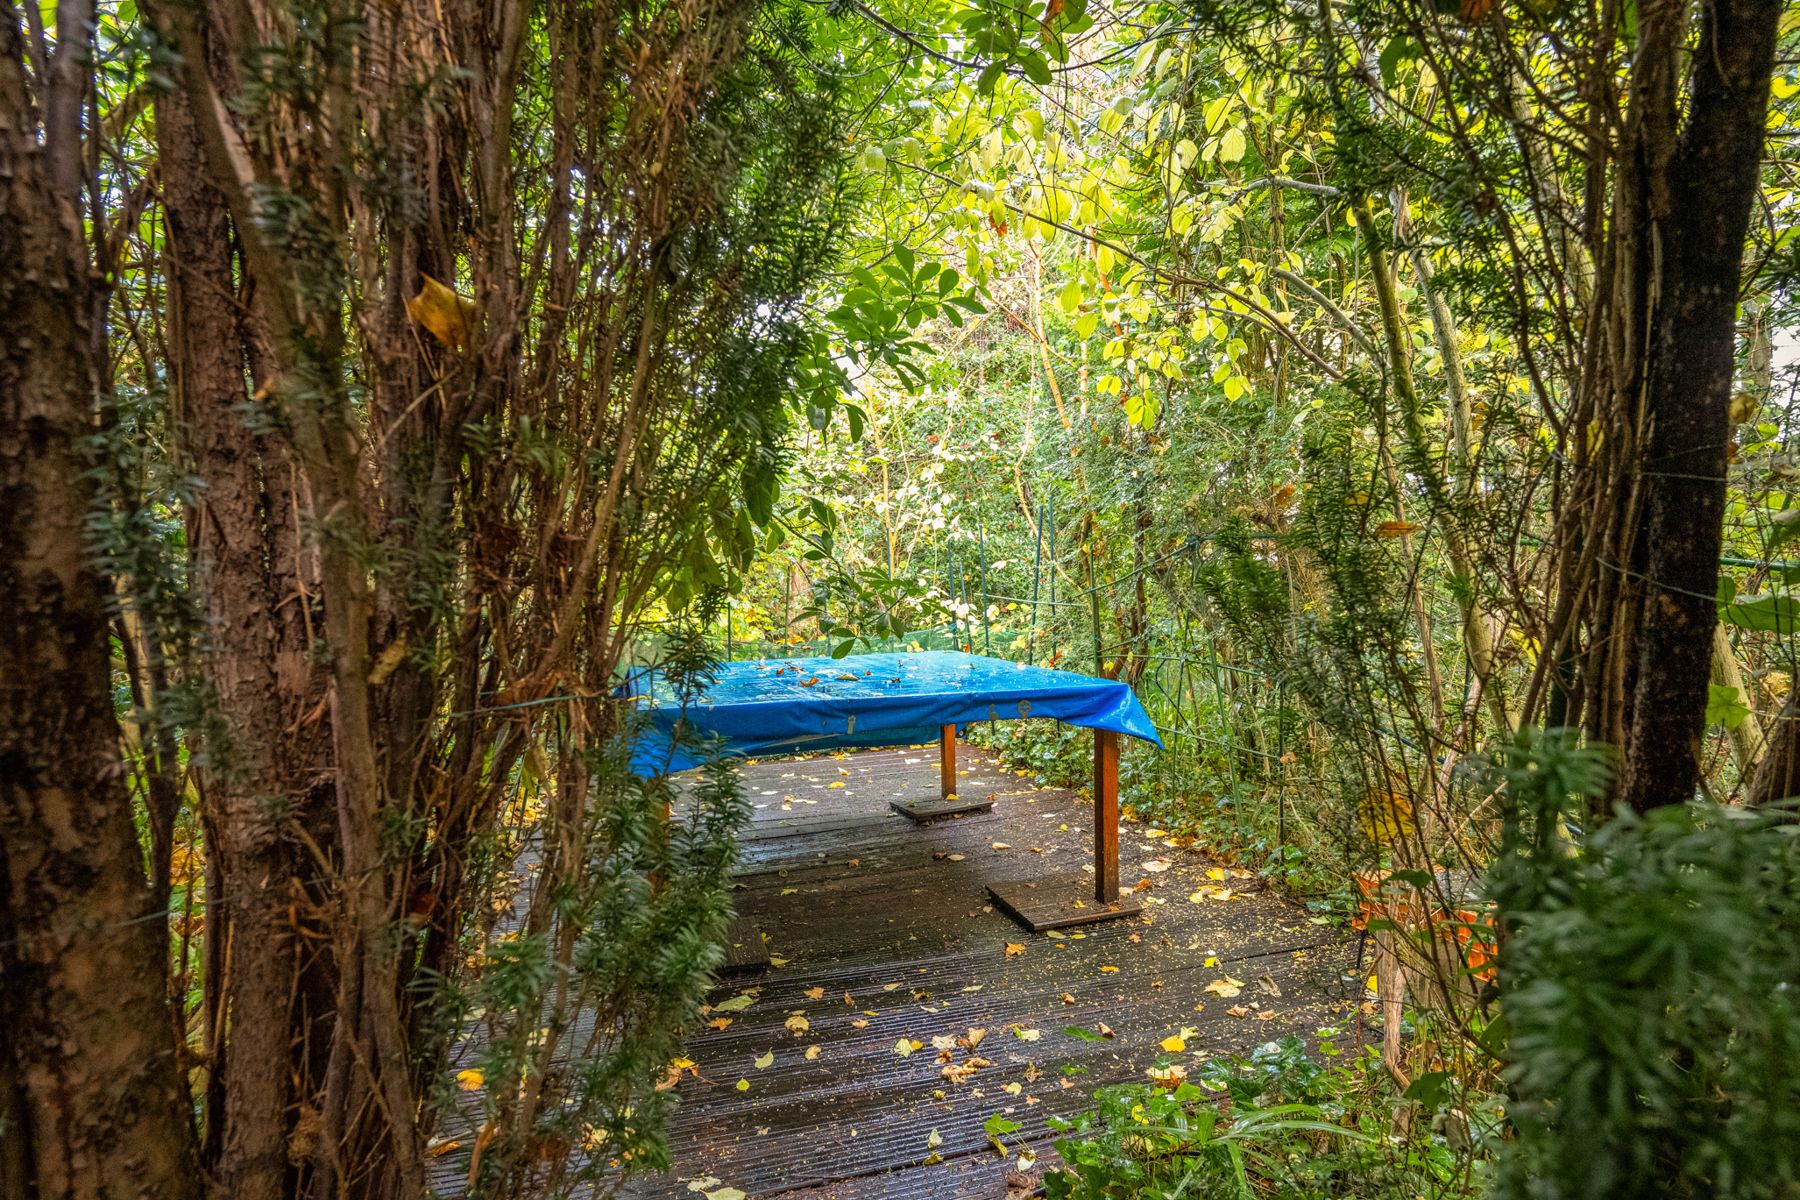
(793,705)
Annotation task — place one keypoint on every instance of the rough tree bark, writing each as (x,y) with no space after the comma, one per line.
(1696,196)
(91,1096)
(268,793)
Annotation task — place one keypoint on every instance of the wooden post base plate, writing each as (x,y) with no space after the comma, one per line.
(920,811)
(1058,902)
(744,949)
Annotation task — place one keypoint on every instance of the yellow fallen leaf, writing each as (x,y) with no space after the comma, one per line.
(1226,987)
(1173,1044)
(743,1085)
(1014,949)
(813,1052)
(814,993)
(1109,970)
(834,784)
(797,1024)
(766,1061)
(906,1046)
(470,1080)
(1012,1089)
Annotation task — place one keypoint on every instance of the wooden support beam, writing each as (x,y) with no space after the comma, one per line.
(1106,816)
(947,762)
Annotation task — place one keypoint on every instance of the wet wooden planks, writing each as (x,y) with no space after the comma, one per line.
(883,931)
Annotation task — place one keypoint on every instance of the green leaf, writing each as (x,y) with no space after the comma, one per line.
(1725,706)
(1036,68)
(856,417)
(1231,146)
(1774,613)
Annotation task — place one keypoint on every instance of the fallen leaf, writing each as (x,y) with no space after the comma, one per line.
(974,1036)
(797,1024)
(1014,949)
(836,783)
(1026,1035)
(1237,1010)
(933,1140)
(766,1061)
(1109,970)
(906,1046)
(469,1080)
(1173,1044)
(735,1004)
(719,1023)
(859,1023)
(725,1193)
(1012,1089)
(814,993)
(743,1085)
(1226,987)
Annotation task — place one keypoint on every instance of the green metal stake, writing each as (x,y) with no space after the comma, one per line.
(1094,605)
(987,634)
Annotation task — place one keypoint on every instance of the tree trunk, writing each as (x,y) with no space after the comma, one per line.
(1697,219)
(93,1103)
(268,793)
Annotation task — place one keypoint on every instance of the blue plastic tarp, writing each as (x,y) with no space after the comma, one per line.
(794,705)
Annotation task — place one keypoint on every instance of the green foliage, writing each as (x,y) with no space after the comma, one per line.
(1275,1123)
(1652,1028)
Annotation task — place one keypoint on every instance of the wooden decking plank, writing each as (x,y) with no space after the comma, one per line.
(856,900)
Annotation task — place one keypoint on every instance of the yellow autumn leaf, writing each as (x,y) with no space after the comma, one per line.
(766,1061)
(1226,987)
(1394,529)
(1173,1044)
(447,316)
(470,1080)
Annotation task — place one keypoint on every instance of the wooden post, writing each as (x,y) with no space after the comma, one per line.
(1106,816)
(947,762)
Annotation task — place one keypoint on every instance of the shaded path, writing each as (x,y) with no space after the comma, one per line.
(881,930)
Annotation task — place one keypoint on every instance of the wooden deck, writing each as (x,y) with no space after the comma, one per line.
(881,930)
